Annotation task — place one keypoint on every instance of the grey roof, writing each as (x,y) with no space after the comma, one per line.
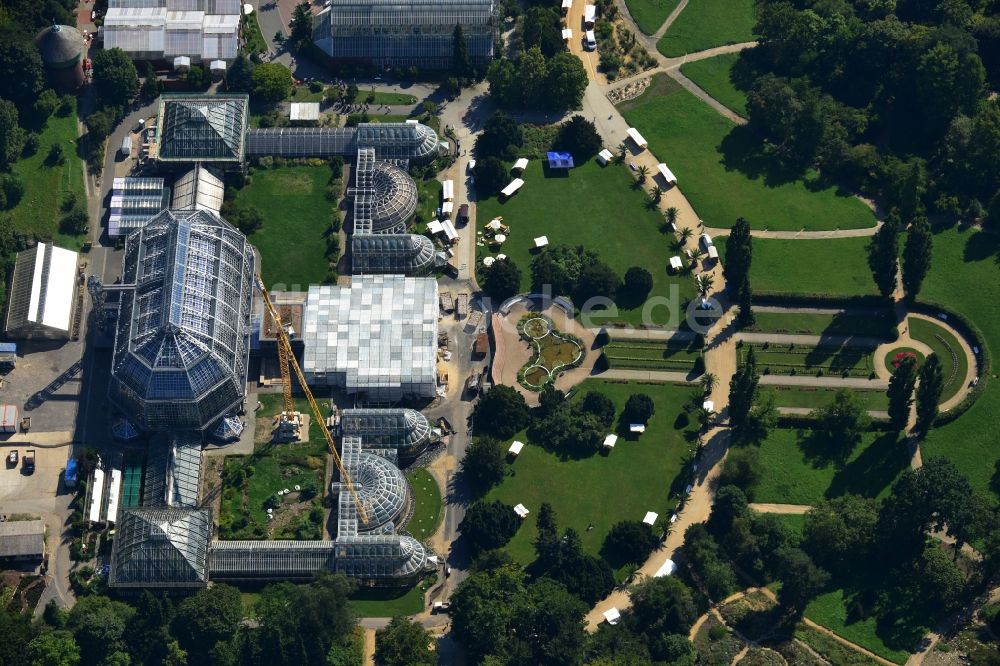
(22,538)
(201,188)
(406,254)
(182,339)
(404,141)
(161,547)
(60,45)
(405,429)
(202,127)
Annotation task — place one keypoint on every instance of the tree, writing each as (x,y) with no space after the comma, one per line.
(742,468)
(559,267)
(745,317)
(929,390)
(670,215)
(638,283)
(801,579)
(198,78)
(461,65)
(553,627)
(743,391)
(502,280)
(501,137)
(565,82)
(639,408)
(643,172)
(900,392)
(840,533)
(708,382)
(916,256)
(597,280)
(542,27)
(663,606)
(239,76)
(44,106)
(22,74)
(547,541)
(205,619)
(404,643)
(76,222)
(730,505)
(272,82)
(600,405)
(739,255)
(115,76)
(249,219)
(630,541)
(490,175)
(301,26)
(483,464)
(578,136)
(151,84)
(98,624)
(655,194)
(843,420)
(483,607)
(489,525)
(53,648)
(148,632)
(501,412)
(883,255)
(12,136)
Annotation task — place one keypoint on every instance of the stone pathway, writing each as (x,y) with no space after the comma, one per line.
(658,376)
(803,235)
(863,341)
(784,509)
(823,382)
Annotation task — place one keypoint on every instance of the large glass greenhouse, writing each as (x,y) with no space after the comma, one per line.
(208,128)
(182,339)
(403,33)
(403,141)
(161,547)
(406,430)
(408,254)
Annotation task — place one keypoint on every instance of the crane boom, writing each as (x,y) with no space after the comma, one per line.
(286,358)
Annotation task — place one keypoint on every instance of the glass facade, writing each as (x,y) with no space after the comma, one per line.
(404,429)
(395,33)
(161,547)
(404,141)
(209,128)
(182,339)
(407,254)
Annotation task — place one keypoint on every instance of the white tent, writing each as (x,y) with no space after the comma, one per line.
(676,264)
(114,490)
(182,63)
(435,227)
(668,569)
(637,428)
(708,406)
(501,257)
(521,164)
(633,134)
(448,207)
(494,224)
(589,13)
(218,68)
(515,448)
(500,238)
(713,253)
(651,517)
(449,231)
(521,511)
(612,616)
(514,186)
(706,240)
(488,261)
(304,111)
(673,519)
(567,34)
(604,157)
(96,495)
(609,441)
(541,241)
(667,174)
(567,4)
(447,190)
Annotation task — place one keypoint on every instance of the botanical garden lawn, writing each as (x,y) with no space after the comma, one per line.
(636,477)
(826,267)
(595,207)
(714,76)
(708,23)
(800,468)
(45,187)
(426,504)
(726,172)
(963,277)
(809,323)
(830,610)
(296,213)
(944,344)
(798,396)
(649,15)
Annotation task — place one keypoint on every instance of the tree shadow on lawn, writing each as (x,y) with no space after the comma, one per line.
(742,150)
(819,451)
(841,357)
(873,470)
(981,245)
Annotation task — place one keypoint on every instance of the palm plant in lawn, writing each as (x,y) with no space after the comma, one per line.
(686,234)
(622,152)
(708,382)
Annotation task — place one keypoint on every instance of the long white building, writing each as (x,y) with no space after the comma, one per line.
(202,30)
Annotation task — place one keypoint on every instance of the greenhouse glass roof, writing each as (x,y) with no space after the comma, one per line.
(161,547)
(408,254)
(210,128)
(386,428)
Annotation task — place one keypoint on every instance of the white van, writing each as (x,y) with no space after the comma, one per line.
(589,41)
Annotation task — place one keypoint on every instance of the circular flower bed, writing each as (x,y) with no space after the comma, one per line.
(553,352)
(895,356)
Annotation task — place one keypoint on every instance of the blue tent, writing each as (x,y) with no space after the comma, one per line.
(559,160)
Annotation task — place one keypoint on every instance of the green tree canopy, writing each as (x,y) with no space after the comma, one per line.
(489,525)
(578,136)
(483,464)
(900,392)
(115,77)
(22,75)
(501,412)
(501,280)
(272,82)
(53,648)
(929,389)
(843,420)
(208,617)
(404,643)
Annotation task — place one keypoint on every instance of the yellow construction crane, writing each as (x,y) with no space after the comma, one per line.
(286,359)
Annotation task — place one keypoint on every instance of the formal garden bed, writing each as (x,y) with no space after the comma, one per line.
(813,397)
(553,352)
(654,355)
(716,644)
(954,364)
(797,359)
(872,323)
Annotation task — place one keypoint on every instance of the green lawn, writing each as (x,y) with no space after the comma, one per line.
(833,651)
(793,522)
(791,359)
(830,610)
(726,172)
(255,42)
(653,355)
(708,23)
(303,94)
(962,259)
(296,213)
(593,490)
(45,187)
(595,207)
(426,504)
(390,602)
(649,15)
(390,98)
(868,324)
(826,267)
(954,364)
(801,396)
(715,76)
(802,468)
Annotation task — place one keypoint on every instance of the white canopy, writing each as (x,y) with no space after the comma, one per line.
(521,164)
(667,174)
(448,190)
(708,406)
(612,615)
(494,224)
(470,166)
(97,494)
(633,134)
(447,207)
(673,518)
(521,511)
(609,441)
(604,157)
(713,253)
(217,66)
(651,517)
(676,263)
(247,9)
(515,448)
(501,257)
(567,33)
(182,63)
(668,569)
(706,240)
(567,4)
(589,13)
(488,261)
(304,111)
(541,241)
(450,231)
(500,238)
(636,427)
(435,227)
(514,186)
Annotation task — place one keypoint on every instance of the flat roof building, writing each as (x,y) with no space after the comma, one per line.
(43,293)
(134,202)
(22,539)
(403,33)
(377,337)
(201,30)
